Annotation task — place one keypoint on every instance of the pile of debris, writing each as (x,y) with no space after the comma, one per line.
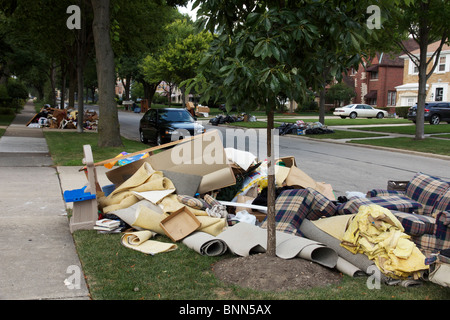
(214,200)
(300,128)
(222,119)
(55,118)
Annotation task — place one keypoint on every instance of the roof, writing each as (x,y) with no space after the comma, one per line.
(433,47)
(430,49)
(394,59)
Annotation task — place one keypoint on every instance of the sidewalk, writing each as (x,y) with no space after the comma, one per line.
(38,255)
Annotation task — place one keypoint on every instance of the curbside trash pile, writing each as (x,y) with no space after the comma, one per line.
(55,118)
(214,200)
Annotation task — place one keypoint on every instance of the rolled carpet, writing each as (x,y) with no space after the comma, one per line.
(244,238)
(205,244)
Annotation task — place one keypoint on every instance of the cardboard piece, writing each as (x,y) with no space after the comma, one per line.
(203,156)
(180,224)
(300,179)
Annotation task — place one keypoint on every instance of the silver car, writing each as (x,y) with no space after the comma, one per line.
(359,110)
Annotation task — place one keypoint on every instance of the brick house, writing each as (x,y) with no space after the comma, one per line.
(438,85)
(375,81)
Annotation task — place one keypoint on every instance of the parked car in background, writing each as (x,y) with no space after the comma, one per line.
(167,124)
(359,110)
(434,112)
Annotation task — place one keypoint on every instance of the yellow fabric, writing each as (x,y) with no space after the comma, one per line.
(140,241)
(376,232)
(144,179)
(148,219)
(335,226)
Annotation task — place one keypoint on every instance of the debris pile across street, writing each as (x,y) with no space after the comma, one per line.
(55,118)
(214,200)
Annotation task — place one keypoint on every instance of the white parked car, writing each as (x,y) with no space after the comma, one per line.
(359,110)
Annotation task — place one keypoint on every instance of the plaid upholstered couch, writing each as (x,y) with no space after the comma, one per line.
(295,205)
(423,208)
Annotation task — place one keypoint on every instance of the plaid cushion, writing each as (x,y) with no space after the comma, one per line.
(397,203)
(383,193)
(321,206)
(210,200)
(443,226)
(426,190)
(295,205)
(192,202)
(416,224)
(290,210)
(429,244)
(442,203)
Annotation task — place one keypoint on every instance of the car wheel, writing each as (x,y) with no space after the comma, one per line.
(141,137)
(353,115)
(342,117)
(435,119)
(158,140)
(380,115)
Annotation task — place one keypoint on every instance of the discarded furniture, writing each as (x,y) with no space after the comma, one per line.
(294,206)
(85,207)
(422,207)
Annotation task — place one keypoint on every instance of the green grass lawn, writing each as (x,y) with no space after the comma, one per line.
(6,119)
(114,272)
(350,122)
(429,129)
(66,148)
(2,132)
(429,145)
(342,134)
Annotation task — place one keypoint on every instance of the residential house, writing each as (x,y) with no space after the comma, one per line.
(438,85)
(375,81)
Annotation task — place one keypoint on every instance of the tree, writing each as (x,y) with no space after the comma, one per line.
(426,21)
(340,92)
(179,59)
(266,49)
(108,124)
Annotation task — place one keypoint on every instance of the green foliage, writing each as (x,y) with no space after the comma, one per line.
(402,112)
(263,50)
(340,92)
(179,58)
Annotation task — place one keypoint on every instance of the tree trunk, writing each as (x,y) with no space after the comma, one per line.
(271,230)
(72,85)
(63,83)
(53,83)
(423,44)
(80,73)
(108,124)
(322,105)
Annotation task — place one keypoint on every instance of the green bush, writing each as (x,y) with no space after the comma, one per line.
(6,111)
(4,96)
(402,112)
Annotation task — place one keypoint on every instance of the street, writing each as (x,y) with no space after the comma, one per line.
(345,167)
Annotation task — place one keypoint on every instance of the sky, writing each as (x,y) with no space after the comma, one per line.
(188,10)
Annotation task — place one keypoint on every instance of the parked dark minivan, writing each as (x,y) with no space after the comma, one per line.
(435,112)
(168,124)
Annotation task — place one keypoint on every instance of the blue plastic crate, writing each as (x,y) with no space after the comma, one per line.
(77,195)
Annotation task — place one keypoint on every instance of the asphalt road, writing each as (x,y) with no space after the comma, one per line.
(345,167)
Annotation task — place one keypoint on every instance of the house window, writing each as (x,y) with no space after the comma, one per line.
(413,69)
(374,75)
(392,97)
(441,65)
